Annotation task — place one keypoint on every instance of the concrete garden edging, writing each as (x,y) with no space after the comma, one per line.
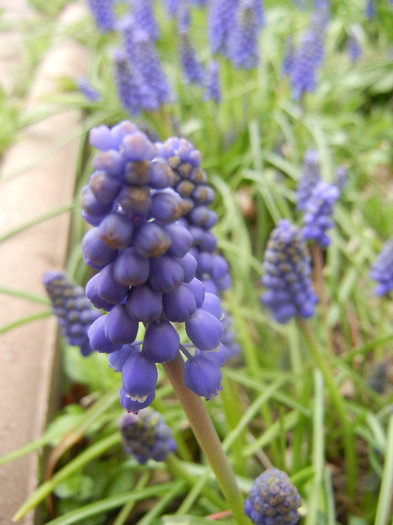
(28,357)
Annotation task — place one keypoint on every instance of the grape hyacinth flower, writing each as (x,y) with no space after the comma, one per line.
(382,269)
(72,309)
(287,270)
(309,178)
(318,212)
(193,72)
(88,91)
(221,20)
(243,43)
(148,203)
(273,499)
(103,14)
(144,61)
(306,61)
(212,82)
(146,436)
(143,15)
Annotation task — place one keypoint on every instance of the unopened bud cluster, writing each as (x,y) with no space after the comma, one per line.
(155,258)
(72,309)
(146,436)
(273,499)
(287,274)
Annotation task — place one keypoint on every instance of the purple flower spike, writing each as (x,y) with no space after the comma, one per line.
(143,15)
(212,82)
(273,500)
(72,309)
(382,269)
(221,20)
(146,436)
(203,376)
(191,67)
(102,11)
(243,43)
(318,212)
(287,269)
(204,330)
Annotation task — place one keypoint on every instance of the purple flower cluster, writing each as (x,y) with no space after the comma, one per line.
(146,436)
(103,14)
(72,309)
(233,30)
(287,270)
(273,499)
(382,269)
(155,256)
(193,71)
(212,82)
(141,82)
(302,63)
(318,212)
(143,15)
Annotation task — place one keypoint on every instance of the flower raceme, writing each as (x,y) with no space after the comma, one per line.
(146,436)
(382,269)
(287,270)
(273,500)
(72,309)
(156,260)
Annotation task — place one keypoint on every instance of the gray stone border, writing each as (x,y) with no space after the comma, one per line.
(28,356)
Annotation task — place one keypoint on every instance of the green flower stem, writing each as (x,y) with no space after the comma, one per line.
(126,510)
(349,438)
(319,281)
(207,438)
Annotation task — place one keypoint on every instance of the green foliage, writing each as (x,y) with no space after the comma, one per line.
(297,398)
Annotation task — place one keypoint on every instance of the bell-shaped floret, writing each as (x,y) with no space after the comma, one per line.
(151,240)
(119,327)
(98,338)
(198,289)
(165,274)
(204,330)
(116,230)
(139,377)
(104,187)
(189,265)
(144,304)
(203,376)
(108,288)
(117,359)
(161,342)
(166,206)
(179,304)
(130,268)
(95,252)
(212,304)
(133,405)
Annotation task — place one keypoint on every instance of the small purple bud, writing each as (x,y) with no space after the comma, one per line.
(151,240)
(139,377)
(116,231)
(95,252)
(133,405)
(198,289)
(166,206)
(181,239)
(189,265)
(109,161)
(104,187)
(165,274)
(212,304)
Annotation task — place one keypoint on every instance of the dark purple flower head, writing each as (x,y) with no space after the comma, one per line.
(146,436)
(243,43)
(382,269)
(309,178)
(103,14)
(287,270)
(273,500)
(318,211)
(72,309)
